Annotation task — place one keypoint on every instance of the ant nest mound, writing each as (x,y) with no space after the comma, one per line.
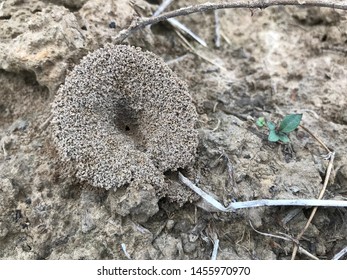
(124,118)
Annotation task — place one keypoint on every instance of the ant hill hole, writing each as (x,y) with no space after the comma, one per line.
(127,121)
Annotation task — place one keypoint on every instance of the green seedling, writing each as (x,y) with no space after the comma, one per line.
(280,133)
(261,122)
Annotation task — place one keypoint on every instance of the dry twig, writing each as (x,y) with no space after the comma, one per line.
(340,254)
(287,238)
(331,156)
(259,203)
(176,24)
(316,138)
(140,23)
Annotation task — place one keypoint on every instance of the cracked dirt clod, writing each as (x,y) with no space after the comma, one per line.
(124,118)
(45,45)
(46,40)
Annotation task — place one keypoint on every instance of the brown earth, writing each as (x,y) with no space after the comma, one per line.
(270,63)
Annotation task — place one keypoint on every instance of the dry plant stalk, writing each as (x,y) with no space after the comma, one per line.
(140,23)
(217,206)
(321,194)
(331,156)
(340,254)
(286,238)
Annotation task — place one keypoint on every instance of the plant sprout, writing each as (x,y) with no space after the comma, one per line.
(280,133)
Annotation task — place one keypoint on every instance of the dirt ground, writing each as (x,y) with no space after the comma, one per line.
(270,63)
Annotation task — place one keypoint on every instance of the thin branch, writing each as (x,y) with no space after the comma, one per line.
(317,139)
(200,192)
(270,234)
(286,238)
(258,203)
(307,253)
(340,254)
(246,4)
(287,202)
(321,194)
(176,24)
(215,249)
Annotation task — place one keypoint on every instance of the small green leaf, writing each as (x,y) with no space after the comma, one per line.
(271,125)
(283,137)
(273,136)
(260,122)
(290,122)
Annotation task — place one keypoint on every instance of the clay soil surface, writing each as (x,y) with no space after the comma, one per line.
(270,63)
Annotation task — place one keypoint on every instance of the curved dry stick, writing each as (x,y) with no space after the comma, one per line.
(286,238)
(321,194)
(261,4)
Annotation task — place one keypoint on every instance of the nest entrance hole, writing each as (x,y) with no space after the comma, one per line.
(127,121)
